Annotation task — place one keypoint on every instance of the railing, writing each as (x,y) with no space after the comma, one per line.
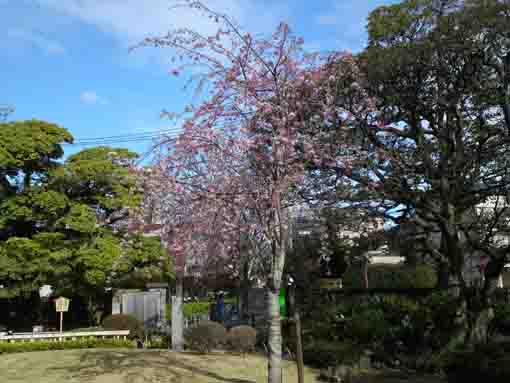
(59,336)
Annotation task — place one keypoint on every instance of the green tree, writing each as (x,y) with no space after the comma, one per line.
(145,260)
(102,179)
(60,222)
(436,80)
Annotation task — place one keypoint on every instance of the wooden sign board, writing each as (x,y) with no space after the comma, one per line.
(331,283)
(62,305)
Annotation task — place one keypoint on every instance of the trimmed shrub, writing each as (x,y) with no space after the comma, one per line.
(9,348)
(206,336)
(242,338)
(124,322)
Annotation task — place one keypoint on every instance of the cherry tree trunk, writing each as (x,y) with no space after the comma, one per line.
(274,337)
(177,315)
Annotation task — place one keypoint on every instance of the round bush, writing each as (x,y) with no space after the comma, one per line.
(242,338)
(124,322)
(206,336)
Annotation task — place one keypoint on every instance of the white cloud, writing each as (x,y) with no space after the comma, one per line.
(47,45)
(132,20)
(90,97)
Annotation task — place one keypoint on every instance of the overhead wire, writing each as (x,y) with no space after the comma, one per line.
(135,137)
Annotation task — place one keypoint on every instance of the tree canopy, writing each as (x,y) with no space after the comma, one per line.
(436,125)
(58,219)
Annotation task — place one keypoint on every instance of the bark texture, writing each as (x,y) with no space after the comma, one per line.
(177,317)
(274,338)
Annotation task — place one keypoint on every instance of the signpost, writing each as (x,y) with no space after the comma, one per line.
(61,305)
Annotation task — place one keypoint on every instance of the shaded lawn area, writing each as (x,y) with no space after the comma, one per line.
(137,366)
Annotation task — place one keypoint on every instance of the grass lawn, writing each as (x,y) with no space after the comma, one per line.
(136,366)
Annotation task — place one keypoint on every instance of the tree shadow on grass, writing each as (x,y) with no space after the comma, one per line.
(138,367)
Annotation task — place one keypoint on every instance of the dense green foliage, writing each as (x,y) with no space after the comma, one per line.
(195,308)
(63,223)
(501,321)
(9,348)
(124,322)
(437,74)
(490,363)
(192,309)
(324,353)
(394,327)
(391,277)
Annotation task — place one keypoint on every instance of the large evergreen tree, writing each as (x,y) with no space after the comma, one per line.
(59,221)
(436,80)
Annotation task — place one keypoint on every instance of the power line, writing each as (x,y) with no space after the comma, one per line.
(145,136)
(129,135)
(133,137)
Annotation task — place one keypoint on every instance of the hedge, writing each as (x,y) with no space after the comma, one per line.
(194,308)
(391,277)
(205,336)
(9,348)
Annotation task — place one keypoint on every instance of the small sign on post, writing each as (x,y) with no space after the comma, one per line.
(61,306)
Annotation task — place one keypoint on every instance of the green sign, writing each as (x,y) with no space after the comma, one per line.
(283,303)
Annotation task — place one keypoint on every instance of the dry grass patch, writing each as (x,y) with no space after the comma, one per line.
(137,366)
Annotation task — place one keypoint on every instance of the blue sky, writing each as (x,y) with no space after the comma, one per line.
(67,61)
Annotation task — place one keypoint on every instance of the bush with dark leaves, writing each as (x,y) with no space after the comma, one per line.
(242,338)
(206,336)
(124,322)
